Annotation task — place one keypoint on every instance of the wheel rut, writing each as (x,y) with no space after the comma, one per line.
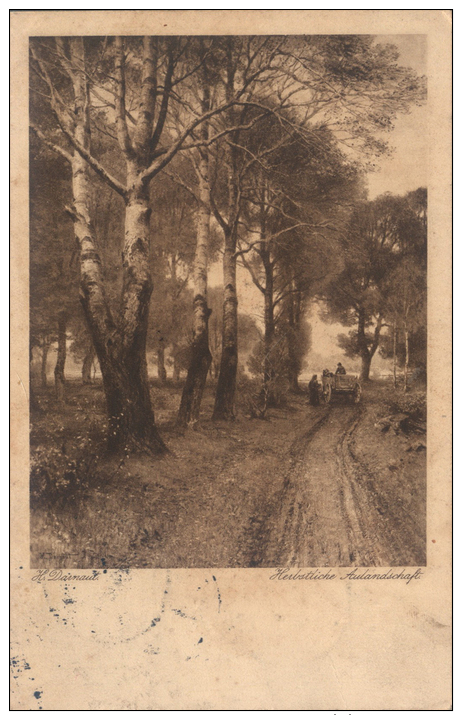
(327,512)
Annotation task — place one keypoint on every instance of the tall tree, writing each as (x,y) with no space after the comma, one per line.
(406,293)
(143,77)
(351,85)
(128,87)
(200,355)
(357,295)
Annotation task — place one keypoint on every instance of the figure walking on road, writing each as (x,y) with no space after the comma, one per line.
(313,390)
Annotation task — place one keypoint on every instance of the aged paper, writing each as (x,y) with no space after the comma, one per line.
(237,638)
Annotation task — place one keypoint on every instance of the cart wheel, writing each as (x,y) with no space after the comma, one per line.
(357,394)
(327,394)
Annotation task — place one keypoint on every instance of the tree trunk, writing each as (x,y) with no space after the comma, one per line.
(201,357)
(61,358)
(176,370)
(226,387)
(268,367)
(87,365)
(294,318)
(365,366)
(406,356)
(34,404)
(136,423)
(121,352)
(43,366)
(363,350)
(394,355)
(161,371)
(367,353)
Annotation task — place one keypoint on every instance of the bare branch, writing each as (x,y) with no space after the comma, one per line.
(50,144)
(217,214)
(96,166)
(178,180)
(255,280)
(247,250)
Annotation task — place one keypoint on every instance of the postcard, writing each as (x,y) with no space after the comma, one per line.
(231,371)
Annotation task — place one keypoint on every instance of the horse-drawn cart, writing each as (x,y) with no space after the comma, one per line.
(334,385)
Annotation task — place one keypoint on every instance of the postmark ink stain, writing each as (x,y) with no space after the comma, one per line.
(38,694)
(201,640)
(218,594)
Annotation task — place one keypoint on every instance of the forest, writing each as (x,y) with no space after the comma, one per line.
(194,202)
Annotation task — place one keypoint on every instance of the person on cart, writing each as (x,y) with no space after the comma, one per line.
(340,369)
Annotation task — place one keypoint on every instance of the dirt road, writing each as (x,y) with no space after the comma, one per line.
(310,486)
(330,512)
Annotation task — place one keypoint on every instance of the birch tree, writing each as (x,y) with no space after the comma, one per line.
(136,114)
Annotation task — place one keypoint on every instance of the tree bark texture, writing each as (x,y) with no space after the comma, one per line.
(294,314)
(394,355)
(176,370)
(226,386)
(161,371)
(87,365)
(366,352)
(201,357)
(60,381)
(268,367)
(43,365)
(121,350)
(406,356)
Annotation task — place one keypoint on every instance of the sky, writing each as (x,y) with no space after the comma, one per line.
(403,171)
(406,169)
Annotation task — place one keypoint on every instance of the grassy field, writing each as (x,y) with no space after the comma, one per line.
(202,505)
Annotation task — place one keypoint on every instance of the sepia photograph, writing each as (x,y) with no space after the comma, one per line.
(228,316)
(230,360)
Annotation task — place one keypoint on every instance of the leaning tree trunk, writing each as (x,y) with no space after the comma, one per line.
(43,366)
(136,423)
(201,357)
(87,365)
(61,358)
(121,352)
(226,387)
